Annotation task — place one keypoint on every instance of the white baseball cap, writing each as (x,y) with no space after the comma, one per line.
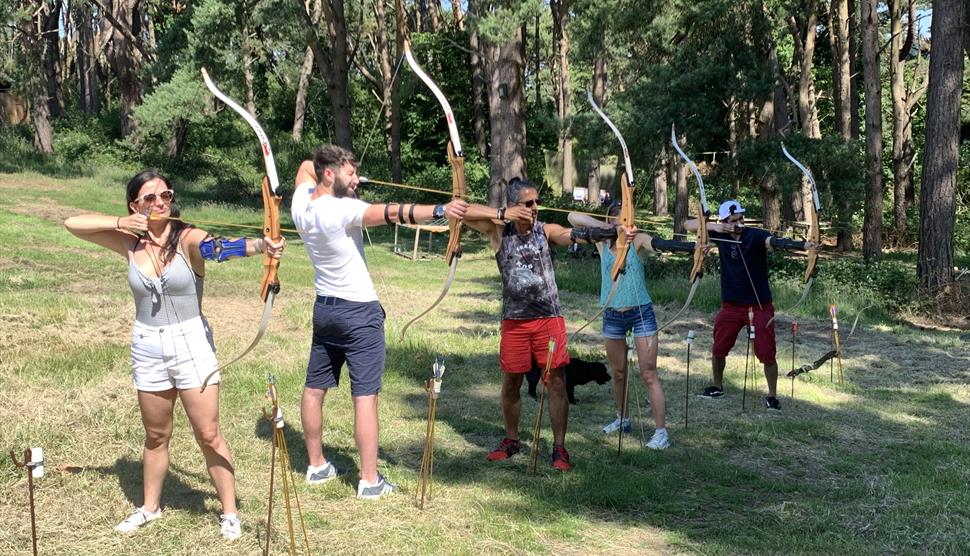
(728,208)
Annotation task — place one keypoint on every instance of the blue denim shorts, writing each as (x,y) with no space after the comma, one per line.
(639,319)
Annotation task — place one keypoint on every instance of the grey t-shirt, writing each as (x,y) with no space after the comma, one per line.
(528,282)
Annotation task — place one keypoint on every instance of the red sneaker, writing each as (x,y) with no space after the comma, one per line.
(506,449)
(560,459)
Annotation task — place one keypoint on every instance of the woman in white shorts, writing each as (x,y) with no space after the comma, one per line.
(171,348)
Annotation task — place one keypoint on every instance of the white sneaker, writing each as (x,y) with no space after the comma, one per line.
(615,426)
(373,492)
(322,474)
(139,518)
(658,441)
(231,526)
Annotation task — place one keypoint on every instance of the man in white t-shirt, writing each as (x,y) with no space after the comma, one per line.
(348,320)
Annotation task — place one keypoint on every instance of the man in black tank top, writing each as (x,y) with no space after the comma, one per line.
(531,312)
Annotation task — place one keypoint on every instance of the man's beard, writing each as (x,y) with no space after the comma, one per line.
(341,190)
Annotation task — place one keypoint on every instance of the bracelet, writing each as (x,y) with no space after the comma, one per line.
(411,215)
(501,214)
(118,223)
(387,213)
(400,213)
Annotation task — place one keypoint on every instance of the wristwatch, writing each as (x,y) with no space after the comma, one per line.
(438,212)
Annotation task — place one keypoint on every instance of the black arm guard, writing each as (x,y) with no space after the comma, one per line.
(592,235)
(660,244)
(785,243)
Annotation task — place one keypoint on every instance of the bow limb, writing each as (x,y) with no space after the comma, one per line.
(459,189)
(622,246)
(271,222)
(697,269)
(814,233)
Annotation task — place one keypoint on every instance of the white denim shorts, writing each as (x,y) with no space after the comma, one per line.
(177,356)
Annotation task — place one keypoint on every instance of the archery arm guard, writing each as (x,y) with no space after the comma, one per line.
(221,249)
(660,244)
(786,244)
(592,235)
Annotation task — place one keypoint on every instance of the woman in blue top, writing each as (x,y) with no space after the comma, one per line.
(631,309)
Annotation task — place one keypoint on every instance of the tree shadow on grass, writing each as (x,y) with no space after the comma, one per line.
(866,468)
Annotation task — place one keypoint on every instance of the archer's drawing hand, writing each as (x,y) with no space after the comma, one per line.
(519,213)
(136,222)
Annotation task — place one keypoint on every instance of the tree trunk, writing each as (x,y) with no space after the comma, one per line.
(333,65)
(299,109)
(841,73)
(125,63)
(176,143)
(872,223)
(392,119)
(660,184)
(480,124)
(934,264)
(856,80)
(682,202)
(903,99)
(458,16)
(733,140)
(598,86)
(43,132)
(87,62)
(805,51)
(506,105)
(560,22)
(247,63)
(51,60)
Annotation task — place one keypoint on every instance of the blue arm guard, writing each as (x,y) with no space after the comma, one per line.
(220,249)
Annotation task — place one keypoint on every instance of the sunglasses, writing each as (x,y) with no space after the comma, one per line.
(166,196)
(530,203)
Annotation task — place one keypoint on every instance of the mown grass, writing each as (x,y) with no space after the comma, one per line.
(877,465)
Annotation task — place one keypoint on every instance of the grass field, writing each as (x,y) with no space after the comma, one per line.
(877,465)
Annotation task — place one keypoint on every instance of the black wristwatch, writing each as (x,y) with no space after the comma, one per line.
(438,212)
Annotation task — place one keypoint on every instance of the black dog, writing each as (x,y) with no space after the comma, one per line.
(578,372)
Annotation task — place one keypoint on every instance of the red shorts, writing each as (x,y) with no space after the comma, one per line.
(525,341)
(732,318)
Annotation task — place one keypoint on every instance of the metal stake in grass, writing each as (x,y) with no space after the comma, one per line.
(33,462)
(279,447)
(689,341)
(534,454)
(794,332)
(433,386)
(626,390)
(835,342)
(747,358)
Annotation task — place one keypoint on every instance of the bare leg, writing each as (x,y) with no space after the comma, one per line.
(311,417)
(366,435)
(771,376)
(156,416)
(616,356)
(647,354)
(511,403)
(558,405)
(717,366)
(203,412)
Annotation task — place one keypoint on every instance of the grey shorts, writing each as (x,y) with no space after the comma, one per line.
(351,332)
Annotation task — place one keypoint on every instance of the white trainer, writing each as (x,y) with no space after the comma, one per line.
(230,526)
(138,519)
(659,441)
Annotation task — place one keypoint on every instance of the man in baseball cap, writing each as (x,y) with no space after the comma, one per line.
(744,289)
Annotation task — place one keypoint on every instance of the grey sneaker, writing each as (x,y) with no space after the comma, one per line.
(712,392)
(320,475)
(383,487)
(659,441)
(230,526)
(139,518)
(615,426)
